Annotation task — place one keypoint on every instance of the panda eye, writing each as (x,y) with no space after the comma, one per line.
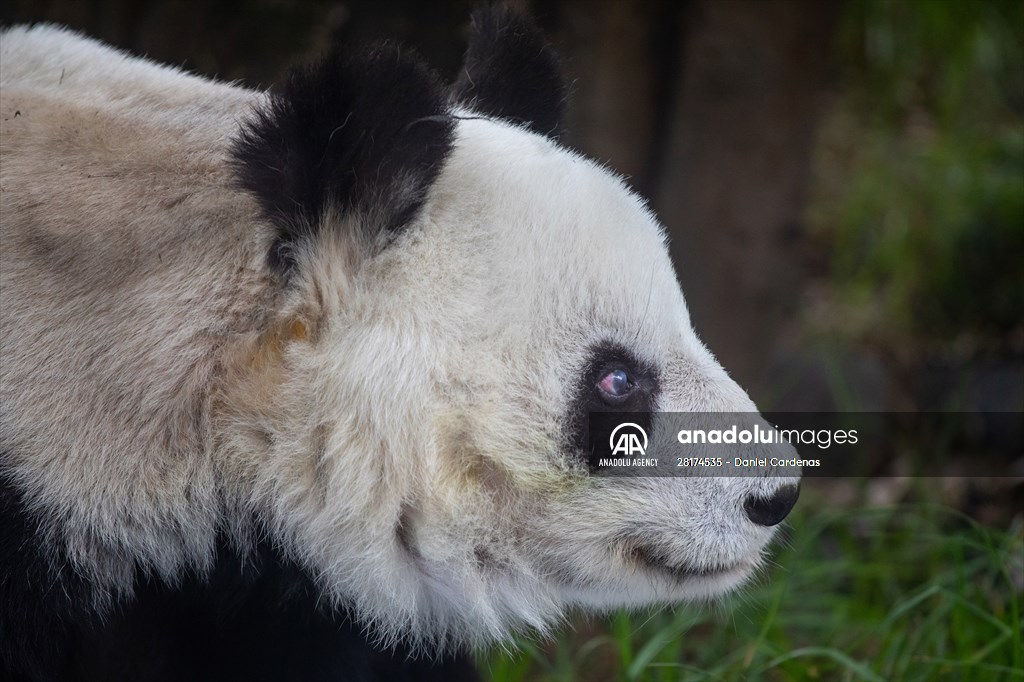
(615,385)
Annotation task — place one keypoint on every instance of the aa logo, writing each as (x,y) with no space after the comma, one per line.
(628,439)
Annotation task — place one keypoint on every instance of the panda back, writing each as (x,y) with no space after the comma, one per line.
(131,262)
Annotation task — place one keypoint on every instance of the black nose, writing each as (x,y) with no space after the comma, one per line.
(768,511)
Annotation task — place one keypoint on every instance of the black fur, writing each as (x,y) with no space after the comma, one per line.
(512,72)
(255,620)
(39,599)
(365,132)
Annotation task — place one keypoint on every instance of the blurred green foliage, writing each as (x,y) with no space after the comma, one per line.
(920,173)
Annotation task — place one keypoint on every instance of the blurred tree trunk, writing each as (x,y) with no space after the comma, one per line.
(709,106)
(733,184)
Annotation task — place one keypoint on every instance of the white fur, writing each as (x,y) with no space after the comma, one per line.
(406,447)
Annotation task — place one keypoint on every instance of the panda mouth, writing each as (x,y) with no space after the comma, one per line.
(652,560)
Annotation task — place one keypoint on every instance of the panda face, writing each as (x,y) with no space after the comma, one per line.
(446,382)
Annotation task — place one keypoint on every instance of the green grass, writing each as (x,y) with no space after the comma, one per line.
(913,592)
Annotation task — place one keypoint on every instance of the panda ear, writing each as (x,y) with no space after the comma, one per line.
(512,72)
(365,133)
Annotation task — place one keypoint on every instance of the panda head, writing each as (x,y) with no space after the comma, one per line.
(456,292)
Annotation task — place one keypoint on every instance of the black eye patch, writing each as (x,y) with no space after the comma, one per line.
(613,380)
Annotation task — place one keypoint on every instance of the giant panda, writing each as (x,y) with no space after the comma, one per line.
(294,383)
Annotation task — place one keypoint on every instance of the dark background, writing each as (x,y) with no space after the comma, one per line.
(843,182)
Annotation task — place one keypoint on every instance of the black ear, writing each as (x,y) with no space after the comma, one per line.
(365,133)
(512,72)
